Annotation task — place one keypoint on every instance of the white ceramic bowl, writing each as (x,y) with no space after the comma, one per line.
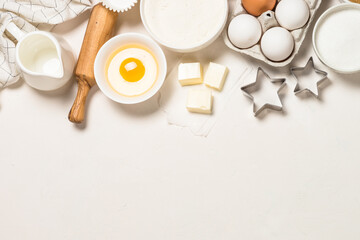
(318,24)
(114,44)
(194,48)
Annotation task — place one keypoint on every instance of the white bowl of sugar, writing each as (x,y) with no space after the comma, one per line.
(336,38)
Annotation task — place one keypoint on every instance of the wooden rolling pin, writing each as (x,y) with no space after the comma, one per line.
(99,30)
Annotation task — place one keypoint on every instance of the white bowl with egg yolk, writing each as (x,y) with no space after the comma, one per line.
(133,86)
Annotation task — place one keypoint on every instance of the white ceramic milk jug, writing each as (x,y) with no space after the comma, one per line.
(44,59)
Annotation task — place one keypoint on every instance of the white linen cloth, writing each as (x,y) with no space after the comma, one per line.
(30,15)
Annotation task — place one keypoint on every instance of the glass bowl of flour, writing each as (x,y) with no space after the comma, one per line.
(184,25)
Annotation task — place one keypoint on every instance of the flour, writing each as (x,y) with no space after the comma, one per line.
(338,40)
(184,23)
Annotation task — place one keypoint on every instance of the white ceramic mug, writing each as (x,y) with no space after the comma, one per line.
(44,59)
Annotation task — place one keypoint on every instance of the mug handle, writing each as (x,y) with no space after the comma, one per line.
(15,31)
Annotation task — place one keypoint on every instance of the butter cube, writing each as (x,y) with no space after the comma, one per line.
(215,76)
(190,74)
(200,101)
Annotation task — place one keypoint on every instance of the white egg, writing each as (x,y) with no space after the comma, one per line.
(277,44)
(292,14)
(244,31)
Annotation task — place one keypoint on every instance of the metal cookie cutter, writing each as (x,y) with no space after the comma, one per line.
(253,87)
(323,76)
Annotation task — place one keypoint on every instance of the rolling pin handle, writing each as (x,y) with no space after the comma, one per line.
(99,30)
(77,112)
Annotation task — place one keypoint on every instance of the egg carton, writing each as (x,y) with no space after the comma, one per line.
(268,21)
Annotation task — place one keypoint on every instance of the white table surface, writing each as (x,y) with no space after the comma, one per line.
(127,174)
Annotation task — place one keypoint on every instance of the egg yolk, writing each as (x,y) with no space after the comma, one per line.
(132,70)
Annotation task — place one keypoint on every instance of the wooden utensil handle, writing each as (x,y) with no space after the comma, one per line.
(99,30)
(77,112)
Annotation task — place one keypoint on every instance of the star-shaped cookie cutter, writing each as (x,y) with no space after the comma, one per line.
(253,87)
(298,89)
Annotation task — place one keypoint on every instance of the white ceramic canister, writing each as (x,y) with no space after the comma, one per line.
(45,59)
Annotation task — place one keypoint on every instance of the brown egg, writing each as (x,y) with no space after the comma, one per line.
(258,7)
